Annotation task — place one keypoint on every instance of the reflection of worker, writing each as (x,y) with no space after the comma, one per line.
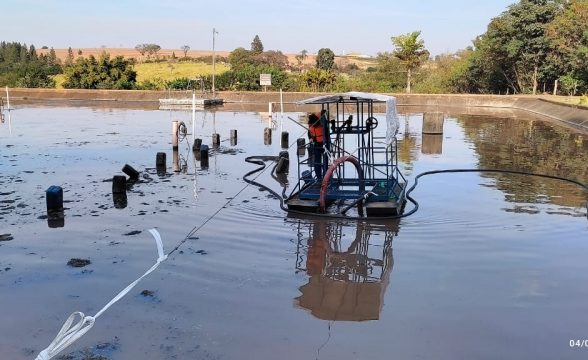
(316,136)
(318,248)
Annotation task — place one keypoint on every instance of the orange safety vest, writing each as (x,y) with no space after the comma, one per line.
(317,133)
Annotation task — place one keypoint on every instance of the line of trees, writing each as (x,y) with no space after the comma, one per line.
(528,48)
(534,46)
(20,66)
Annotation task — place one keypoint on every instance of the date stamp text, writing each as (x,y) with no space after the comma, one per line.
(579,343)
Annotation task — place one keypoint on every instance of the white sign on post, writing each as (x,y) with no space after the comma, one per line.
(265,79)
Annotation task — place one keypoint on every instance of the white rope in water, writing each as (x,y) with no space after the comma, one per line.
(71,332)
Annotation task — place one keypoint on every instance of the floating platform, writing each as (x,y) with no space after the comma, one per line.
(297,204)
(385,208)
(187,103)
(386,200)
(358,166)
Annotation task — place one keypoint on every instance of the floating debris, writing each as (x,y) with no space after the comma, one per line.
(148,293)
(6,237)
(75,262)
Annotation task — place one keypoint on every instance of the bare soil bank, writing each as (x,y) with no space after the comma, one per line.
(542,107)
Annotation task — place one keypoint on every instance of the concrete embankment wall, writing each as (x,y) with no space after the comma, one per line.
(542,107)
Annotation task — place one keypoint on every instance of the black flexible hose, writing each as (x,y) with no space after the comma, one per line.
(260,160)
(182,131)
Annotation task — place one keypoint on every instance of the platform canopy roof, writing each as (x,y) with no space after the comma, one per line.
(353,97)
(346,97)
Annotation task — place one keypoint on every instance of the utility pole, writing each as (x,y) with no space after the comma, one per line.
(214,32)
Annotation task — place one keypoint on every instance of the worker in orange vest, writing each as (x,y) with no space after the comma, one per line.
(316,135)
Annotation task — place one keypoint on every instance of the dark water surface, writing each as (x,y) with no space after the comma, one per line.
(492,266)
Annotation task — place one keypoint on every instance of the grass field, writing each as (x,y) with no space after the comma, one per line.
(581,101)
(168,71)
(164,71)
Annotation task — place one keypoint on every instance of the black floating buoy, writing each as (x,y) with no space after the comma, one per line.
(301,144)
(267,136)
(54,197)
(129,170)
(197,144)
(160,165)
(285,140)
(55,219)
(204,156)
(233,137)
(160,160)
(283,163)
(215,140)
(119,184)
(119,200)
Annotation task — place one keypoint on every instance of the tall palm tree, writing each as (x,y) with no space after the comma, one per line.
(411,51)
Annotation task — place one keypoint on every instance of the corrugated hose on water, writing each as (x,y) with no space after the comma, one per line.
(261,161)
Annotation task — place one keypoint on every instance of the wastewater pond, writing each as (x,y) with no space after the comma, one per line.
(491,266)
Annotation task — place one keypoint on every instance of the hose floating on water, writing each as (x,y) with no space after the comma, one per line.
(260,160)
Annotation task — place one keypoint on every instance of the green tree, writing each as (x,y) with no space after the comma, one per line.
(247,78)
(152,49)
(241,57)
(256,45)
(52,63)
(273,58)
(568,35)
(318,79)
(300,58)
(524,38)
(458,76)
(411,51)
(52,58)
(20,66)
(149,49)
(515,51)
(102,73)
(33,53)
(142,49)
(185,49)
(325,59)
(436,75)
(34,75)
(387,75)
(182,83)
(69,60)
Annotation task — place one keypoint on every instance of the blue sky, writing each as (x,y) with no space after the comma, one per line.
(290,26)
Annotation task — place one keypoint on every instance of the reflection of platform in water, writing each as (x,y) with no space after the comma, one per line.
(342,301)
(171,103)
(346,283)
